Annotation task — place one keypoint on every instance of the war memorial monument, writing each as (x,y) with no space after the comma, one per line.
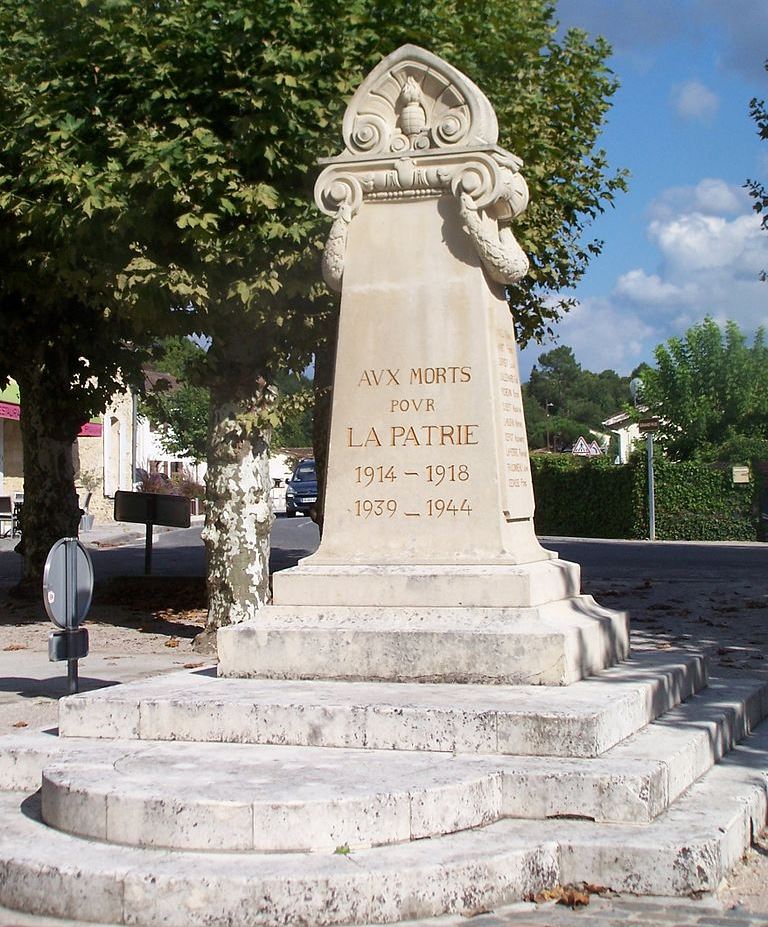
(431,716)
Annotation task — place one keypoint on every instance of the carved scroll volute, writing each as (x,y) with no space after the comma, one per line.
(488,223)
(418,127)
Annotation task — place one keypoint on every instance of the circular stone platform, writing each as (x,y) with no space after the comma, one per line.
(266,798)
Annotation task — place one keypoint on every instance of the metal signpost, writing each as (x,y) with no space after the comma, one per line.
(67,594)
(150,509)
(648,427)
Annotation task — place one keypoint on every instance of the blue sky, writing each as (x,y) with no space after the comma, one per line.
(684,242)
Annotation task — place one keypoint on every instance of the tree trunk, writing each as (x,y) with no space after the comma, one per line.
(238,511)
(50,508)
(325,363)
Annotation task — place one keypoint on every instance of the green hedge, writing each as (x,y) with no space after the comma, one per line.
(578,497)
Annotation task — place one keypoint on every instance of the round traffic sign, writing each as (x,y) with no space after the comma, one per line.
(67,583)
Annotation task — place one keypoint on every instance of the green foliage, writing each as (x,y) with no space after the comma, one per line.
(180,409)
(578,497)
(757,190)
(162,154)
(177,408)
(576,400)
(709,391)
(296,399)
(699,503)
(591,498)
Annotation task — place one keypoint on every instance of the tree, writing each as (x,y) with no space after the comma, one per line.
(180,409)
(757,190)
(708,389)
(175,406)
(162,155)
(563,399)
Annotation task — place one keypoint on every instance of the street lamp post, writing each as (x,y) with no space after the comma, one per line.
(549,405)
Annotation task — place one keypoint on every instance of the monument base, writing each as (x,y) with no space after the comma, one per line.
(554,644)
(493,585)
(494,624)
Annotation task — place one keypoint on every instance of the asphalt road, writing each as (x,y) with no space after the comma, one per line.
(180,553)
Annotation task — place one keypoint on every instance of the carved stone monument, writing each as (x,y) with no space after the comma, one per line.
(429,568)
(391,763)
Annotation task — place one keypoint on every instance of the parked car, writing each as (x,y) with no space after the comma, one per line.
(301,489)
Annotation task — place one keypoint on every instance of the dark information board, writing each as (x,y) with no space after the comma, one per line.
(152,508)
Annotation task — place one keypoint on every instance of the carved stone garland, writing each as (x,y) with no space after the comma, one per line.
(418,127)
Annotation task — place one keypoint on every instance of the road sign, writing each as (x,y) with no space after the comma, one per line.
(67,583)
(649,425)
(67,594)
(68,645)
(152,508)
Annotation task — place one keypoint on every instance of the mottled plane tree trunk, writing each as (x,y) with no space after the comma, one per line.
(238,507)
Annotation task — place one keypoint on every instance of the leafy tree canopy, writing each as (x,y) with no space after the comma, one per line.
(757,190)
(177,407)
(162,154)
(709,390)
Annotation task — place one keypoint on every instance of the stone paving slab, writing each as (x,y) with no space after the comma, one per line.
(611,911)
(607,911)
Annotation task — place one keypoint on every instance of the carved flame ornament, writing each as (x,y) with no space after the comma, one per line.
(418,127)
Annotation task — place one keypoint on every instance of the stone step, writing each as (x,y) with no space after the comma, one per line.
(686,849)
(640,777)
(584,720)
(364,797)
(555,643)
(227,797)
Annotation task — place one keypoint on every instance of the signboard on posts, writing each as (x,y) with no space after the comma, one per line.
(152,508)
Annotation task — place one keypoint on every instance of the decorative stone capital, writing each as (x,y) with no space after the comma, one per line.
(414,101)
(417,127)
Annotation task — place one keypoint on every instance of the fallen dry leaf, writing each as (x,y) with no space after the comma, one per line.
(15,647)
(20,724)
(172,642)
(193,665)
(574,896)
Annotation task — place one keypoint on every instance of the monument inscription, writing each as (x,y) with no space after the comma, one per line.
(440,480)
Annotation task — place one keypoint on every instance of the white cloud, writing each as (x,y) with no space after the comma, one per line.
(710,196)
(643,289)
(605,335)
(694,102)
(708,265)
(694,243)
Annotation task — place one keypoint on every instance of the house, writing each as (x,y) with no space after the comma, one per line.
(111,450)
(627,431)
